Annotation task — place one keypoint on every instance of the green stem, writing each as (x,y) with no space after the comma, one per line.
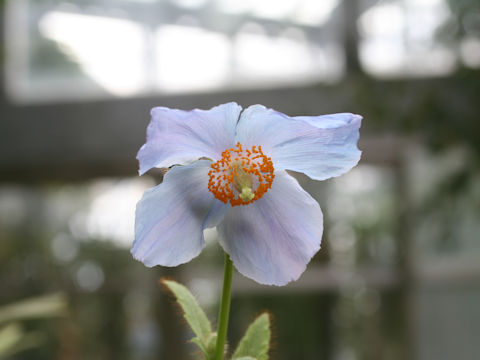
(224,309)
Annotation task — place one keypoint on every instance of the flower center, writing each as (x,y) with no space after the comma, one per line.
(241,176)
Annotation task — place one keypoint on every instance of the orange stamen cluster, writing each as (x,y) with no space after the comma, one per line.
(234,167)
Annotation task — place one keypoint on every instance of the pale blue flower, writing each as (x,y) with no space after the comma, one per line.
(234,177)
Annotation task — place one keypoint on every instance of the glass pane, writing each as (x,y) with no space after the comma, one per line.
(399,38)
(87,49)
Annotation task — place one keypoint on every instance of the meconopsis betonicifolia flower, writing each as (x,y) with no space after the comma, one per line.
(230,172)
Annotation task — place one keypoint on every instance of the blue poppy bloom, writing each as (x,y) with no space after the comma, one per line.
(234,177)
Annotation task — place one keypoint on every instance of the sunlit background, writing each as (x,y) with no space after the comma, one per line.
(398,276)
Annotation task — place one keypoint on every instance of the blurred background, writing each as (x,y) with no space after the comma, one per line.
(398,276)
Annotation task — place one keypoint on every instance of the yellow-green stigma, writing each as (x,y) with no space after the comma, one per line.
(246,194)
(242,182)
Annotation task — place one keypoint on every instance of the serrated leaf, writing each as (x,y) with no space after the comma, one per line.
(193,313)
(256,341)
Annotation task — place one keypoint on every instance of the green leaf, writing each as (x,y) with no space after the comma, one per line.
(208,348)
(211,345)
(194,315)
(256,341)
(37,307)
(13,340)
(202,347)
(9,336)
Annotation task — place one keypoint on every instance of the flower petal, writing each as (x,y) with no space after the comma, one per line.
(170,217)
(273,239)
(319,146)
(178,136)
